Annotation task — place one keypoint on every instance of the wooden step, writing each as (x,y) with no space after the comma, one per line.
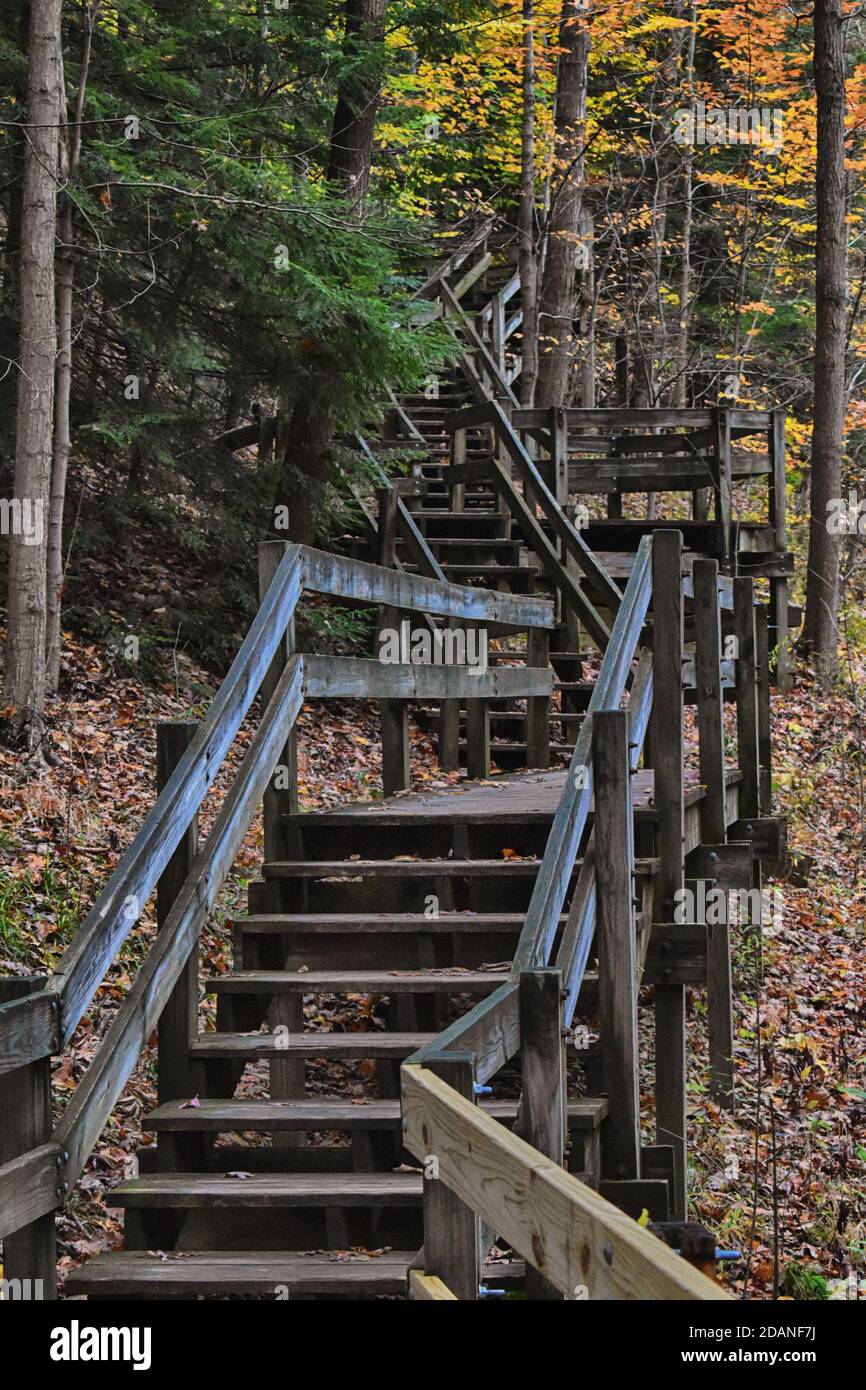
(321,923)
(269,1190)
(209,1273)
(400,868)
(419,868)
(447,980)
(251,1047)
(240,1115)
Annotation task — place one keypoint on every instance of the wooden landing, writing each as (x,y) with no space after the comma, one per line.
(529,795)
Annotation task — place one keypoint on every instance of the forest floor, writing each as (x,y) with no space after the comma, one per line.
(782,1180)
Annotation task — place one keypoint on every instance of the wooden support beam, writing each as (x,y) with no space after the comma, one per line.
(765,742)
(478,739)
(178,1021)
(29,1247)
(452,1247)
(538,706)
(615,938)
(779,523)
(396,774)
(541,1118)
(668,756)
(747,698)
(723,487)
(708,658)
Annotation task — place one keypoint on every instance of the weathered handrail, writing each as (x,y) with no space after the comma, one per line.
(490,1030)
(585,1246)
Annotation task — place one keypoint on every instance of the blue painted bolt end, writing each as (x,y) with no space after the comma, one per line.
(482,1090)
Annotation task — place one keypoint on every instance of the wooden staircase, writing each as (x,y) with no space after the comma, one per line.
(402,959)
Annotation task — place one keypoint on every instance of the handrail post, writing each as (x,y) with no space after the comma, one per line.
(394,714)
(478,739)
(452,1231)
(779,523)
(30,1253)
(723,487)
(538,706)
(541,1114)
(179,1019)
(617,947)
(457,492)
(765,744)
(747,698)
(281,797)
(668,753)
(714,820)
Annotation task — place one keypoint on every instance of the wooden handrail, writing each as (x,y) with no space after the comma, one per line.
(48,1174)
(324,573)
(490,1031)
(109,922)
(585,1246)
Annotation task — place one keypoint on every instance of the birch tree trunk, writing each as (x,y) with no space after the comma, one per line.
(25,648)
(821,633)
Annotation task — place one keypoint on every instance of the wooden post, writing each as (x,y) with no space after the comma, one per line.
(497,334)
(281,796)
(708,679)
(449,725)
(30,1253)
(558,426)
(396,775)
(538,706)
(615,937)
(457,500)
(668,755)
(452,1246)
(478,739)
(723,488)
(542,1097)
(765,744)
(394,714)
(779,523)
(178,1022)
(747,698)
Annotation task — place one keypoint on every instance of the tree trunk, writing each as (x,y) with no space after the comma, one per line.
(25,650)
(62,432)
(527,246)
(821,634)
(357,101)
(558,303)
(306,457)
(681,391)
(306,468)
